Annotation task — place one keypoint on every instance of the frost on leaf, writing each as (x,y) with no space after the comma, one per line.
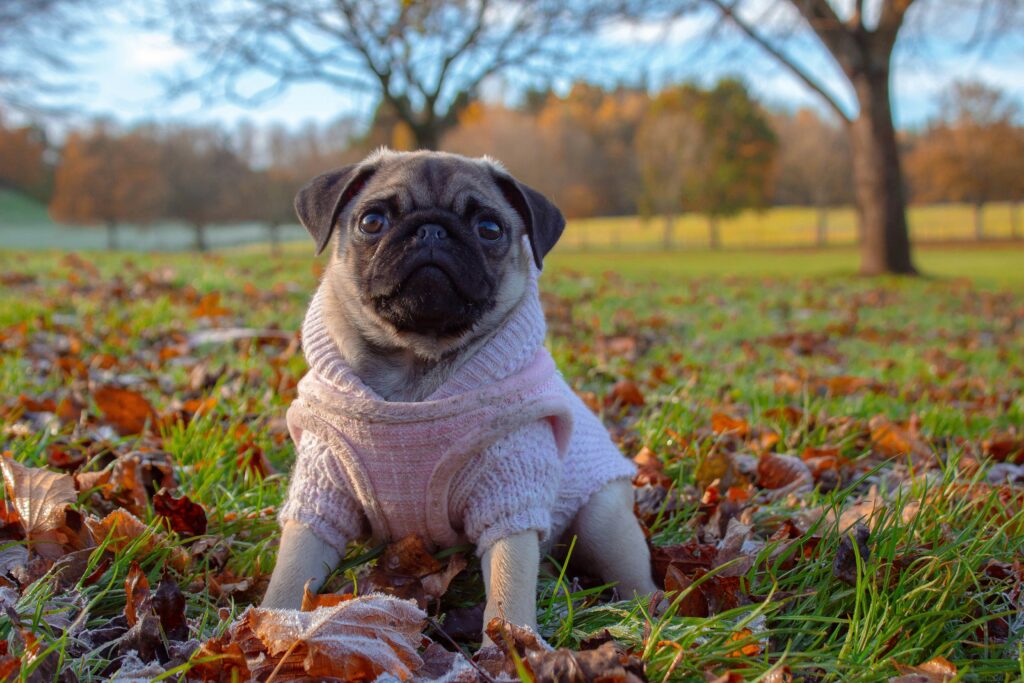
(355,640)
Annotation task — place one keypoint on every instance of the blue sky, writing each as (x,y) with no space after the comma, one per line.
(123,75)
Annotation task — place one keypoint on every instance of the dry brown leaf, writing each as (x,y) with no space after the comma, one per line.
(39,496)
(124,528)
(625,393)
(777,471)
(935,670)
(722,424)
(407,570)
(895,441)
(126,410)
(184,516)
(312,601)
(137,595)
(356,640)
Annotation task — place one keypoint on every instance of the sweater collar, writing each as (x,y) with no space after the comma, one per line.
(505,354)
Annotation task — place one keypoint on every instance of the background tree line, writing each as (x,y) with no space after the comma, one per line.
(597,152)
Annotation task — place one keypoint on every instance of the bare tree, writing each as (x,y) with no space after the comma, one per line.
(205,179)
(425,60)
(37,41)
(860,37)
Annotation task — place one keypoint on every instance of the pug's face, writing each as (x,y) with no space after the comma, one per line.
(429,248)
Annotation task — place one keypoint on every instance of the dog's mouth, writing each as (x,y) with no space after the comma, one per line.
(431,300)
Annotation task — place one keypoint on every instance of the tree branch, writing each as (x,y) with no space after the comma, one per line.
(783,59)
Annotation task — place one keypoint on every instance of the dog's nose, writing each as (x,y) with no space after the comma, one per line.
(431,232)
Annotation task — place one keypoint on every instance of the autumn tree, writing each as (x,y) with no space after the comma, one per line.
(106,178)
(730,167)
(22,164)
(425,61)
(670,151)
(204,178)
(813,165)
(860,39)
(968,152)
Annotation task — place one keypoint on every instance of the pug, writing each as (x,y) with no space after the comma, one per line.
(431,406)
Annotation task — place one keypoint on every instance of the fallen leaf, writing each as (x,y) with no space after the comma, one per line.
(312,601)
(608,662)
(39,496)
(776,471)
(935,670)
(137,596)
(408,571)
(726,424)
(844,565)
(894,441)
(749,649)
(184,516)
(625,392)
(356,640)
(123,529)
(209,307)
(126,410)
(169,605)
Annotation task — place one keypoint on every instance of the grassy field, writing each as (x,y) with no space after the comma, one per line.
(772,399)
(24,224)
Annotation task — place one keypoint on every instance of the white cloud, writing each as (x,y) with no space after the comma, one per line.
(151,51)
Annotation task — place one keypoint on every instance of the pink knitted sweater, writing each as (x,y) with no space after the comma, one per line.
(503,446)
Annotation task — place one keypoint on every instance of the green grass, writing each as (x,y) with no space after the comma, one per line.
(944,350)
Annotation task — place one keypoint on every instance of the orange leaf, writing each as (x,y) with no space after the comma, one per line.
(126,410)
(625,392)
(137,596)
(209,307)
(722,423)
(124,529)
(935,670)
(312,601)
(894,441)
(748,650)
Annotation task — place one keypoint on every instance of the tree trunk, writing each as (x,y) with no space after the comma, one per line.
(713,239)
(275,238)
(822,225)
(979,221)
(669,226)
(878,181)
(427,136)
(112,235)
(200,230)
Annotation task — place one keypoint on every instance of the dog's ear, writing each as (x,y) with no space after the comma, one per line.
(320,201)
(544,222)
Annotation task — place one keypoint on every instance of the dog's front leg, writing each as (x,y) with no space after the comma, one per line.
(510,576)
(302,557)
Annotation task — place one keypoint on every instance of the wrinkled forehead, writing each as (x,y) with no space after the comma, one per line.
(420,181)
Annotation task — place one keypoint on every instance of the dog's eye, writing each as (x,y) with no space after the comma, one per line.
(489,230)
(373,223)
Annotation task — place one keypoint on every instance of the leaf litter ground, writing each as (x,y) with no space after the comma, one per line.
(831,473)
